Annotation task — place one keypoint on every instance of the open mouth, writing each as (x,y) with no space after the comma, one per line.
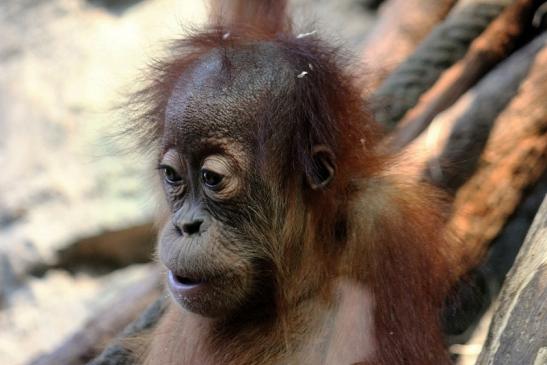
(186,281)
(182,282)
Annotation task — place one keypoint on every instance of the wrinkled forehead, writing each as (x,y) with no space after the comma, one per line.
(224,96)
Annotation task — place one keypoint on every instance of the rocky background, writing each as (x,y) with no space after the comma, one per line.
(76,207)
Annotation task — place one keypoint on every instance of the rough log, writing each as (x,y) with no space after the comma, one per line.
(447,153)
(402,24)
(517,333)
(514,158)
(451,150)
(497,41)
(473,296)
(446,44)
(99,330)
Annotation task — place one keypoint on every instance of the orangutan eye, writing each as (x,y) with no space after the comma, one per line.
(211,179)
(170,175)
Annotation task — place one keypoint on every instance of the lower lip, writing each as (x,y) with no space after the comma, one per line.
(182,290)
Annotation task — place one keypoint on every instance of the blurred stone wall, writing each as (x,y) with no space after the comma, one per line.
(64,65)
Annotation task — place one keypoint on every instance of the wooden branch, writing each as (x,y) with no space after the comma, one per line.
(98,331)
(445,45)
(517,333)
(471,131)
(515,156)
(494,44)
(446,154)
(133,245)
(402,24)
(473,296)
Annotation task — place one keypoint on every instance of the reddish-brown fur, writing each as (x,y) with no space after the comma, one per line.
(389,256)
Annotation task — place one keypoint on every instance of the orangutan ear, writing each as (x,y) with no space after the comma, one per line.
(323,169)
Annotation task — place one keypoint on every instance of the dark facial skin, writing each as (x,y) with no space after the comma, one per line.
(221,177)
(215,243)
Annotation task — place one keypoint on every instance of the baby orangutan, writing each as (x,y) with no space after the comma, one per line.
(289,239)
